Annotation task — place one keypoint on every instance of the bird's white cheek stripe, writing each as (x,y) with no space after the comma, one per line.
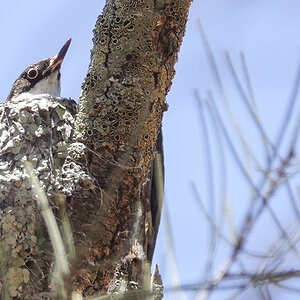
(49,85)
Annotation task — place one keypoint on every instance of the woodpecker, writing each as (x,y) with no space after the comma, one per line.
(42,77)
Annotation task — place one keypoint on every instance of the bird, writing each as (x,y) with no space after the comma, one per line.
(42,77)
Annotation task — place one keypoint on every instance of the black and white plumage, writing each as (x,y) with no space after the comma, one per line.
(42,77)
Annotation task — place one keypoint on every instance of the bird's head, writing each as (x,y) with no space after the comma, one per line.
(42,77)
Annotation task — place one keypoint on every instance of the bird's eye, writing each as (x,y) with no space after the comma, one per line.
(32,73)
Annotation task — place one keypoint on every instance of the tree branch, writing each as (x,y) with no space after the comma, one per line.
(119,118)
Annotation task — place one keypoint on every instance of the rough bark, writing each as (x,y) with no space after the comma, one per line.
(119,118)
(40,130)
(106,176)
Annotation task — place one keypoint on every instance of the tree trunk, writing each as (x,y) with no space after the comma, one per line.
(99,164)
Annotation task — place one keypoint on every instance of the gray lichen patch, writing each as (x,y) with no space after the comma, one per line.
(119,118)
(38,129)
(132,65)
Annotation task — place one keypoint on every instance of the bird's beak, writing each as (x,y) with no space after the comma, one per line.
(57,60)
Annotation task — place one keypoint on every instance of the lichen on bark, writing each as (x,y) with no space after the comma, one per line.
(38,129)
(102,162)
(119,118)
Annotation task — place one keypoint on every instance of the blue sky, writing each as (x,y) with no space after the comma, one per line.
(268,34)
